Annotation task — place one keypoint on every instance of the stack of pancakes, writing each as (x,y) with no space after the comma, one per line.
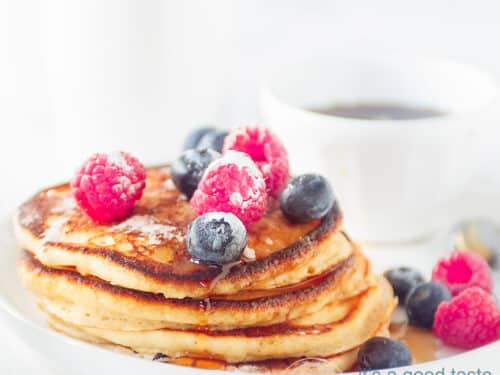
(303,295)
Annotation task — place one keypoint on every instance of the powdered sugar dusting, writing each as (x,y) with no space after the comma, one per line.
(65,204)
(117,158)
(28,219)
(169,184)
(54,231)
(265,168)
(242,161)
(61,203)
(124,181)
(249,253)
(233,184)
(236,227)
(154,233)
(236,198)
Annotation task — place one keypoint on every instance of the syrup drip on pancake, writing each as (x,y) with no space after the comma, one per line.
(224,271)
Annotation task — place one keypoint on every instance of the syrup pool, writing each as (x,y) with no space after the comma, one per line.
(423,345)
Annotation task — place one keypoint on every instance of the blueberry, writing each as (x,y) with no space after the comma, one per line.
(216,237)
(380,353)
(403,279)
(423,301)
(307,197)
(194,137)
(188,169)
(213,140)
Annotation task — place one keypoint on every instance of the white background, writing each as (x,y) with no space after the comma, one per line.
(82,76)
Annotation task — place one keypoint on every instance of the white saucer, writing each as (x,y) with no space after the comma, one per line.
(81,358)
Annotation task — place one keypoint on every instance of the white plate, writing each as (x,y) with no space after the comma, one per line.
(82,358)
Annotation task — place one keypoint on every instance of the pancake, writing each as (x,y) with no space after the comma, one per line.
(255,308)
(276,341)
(302,365)
(148,252)
(302,298)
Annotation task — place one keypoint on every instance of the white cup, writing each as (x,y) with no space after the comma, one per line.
(394,179)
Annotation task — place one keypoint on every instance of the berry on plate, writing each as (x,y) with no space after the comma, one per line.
(423,301)
(380,353)
(232,183)
(107,186)
(193,138)
(266,150)
(213,140)
(216,237)
(307,197)
(188,169)
(469,320)
(403,279)
(462,270)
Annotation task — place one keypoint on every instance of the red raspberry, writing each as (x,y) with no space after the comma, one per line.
(234,184)
(106,187)
(266,150)
(462,270)
(469,320)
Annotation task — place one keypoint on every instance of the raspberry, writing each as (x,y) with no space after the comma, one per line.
(462,270)
(106,187)
(232,184)
(266,150)
(469,320)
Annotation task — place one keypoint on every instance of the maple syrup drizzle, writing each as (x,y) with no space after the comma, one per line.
(422,343)
(225,270)
(207,364)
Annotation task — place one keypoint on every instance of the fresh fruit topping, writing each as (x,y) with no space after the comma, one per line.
(307,197)
(193,138)
(213,140)
(462,270)
(266,150)
(423,301)
(469,320)
(107,186)
(216,237)
(232,183)
(188,169)
(380,353)
(403,279)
